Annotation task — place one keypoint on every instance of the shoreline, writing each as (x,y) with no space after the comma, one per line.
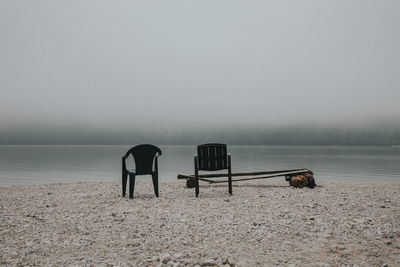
(140,179)
(263,224)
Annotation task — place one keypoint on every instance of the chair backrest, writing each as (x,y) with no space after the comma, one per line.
(212,157)
(144,157)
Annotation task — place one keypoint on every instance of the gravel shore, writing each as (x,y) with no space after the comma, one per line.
(264,223)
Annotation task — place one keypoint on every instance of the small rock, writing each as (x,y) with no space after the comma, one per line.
(178,255)
(242,263)
(383,206)
(170,263)
(225,260)
(165,258)
(13,254)
(208,262)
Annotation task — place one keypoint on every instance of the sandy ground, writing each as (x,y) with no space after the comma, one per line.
(264,223)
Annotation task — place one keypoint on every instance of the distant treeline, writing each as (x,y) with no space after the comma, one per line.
(277,136)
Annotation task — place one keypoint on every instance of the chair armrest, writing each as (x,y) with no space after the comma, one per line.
(126,156)
(124,161)
(124,164)
(155,166)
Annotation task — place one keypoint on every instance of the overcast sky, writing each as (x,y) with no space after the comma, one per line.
(211,63)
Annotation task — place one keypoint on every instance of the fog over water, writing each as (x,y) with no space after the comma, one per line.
(186,72)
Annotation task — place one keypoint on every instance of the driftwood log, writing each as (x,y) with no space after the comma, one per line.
(255,175)
(302,180)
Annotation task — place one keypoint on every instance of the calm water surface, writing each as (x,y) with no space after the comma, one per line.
(20,165)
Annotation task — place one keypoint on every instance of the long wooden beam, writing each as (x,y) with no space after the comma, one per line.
(205,180)
(259,177)
(217,175)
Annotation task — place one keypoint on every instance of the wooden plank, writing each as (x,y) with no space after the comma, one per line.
(259,177)
(205,180)
(217,175)
(182,176)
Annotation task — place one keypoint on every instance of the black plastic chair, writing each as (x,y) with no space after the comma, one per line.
(144,156)
(212,157)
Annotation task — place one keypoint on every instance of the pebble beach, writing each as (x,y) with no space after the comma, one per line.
(265,223)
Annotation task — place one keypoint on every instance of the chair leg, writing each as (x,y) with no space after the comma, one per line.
(196,177)
(230,183)
(131,184)
(124,180)
(197,185)
(155,183)
(229,175)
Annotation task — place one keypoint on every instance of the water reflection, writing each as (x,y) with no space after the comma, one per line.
(54,164)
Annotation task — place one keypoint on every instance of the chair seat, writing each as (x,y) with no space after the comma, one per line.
(131,170)
(134,172)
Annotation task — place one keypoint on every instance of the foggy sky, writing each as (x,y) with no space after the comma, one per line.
(180,64)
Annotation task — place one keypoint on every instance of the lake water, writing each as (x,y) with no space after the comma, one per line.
(20,165)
